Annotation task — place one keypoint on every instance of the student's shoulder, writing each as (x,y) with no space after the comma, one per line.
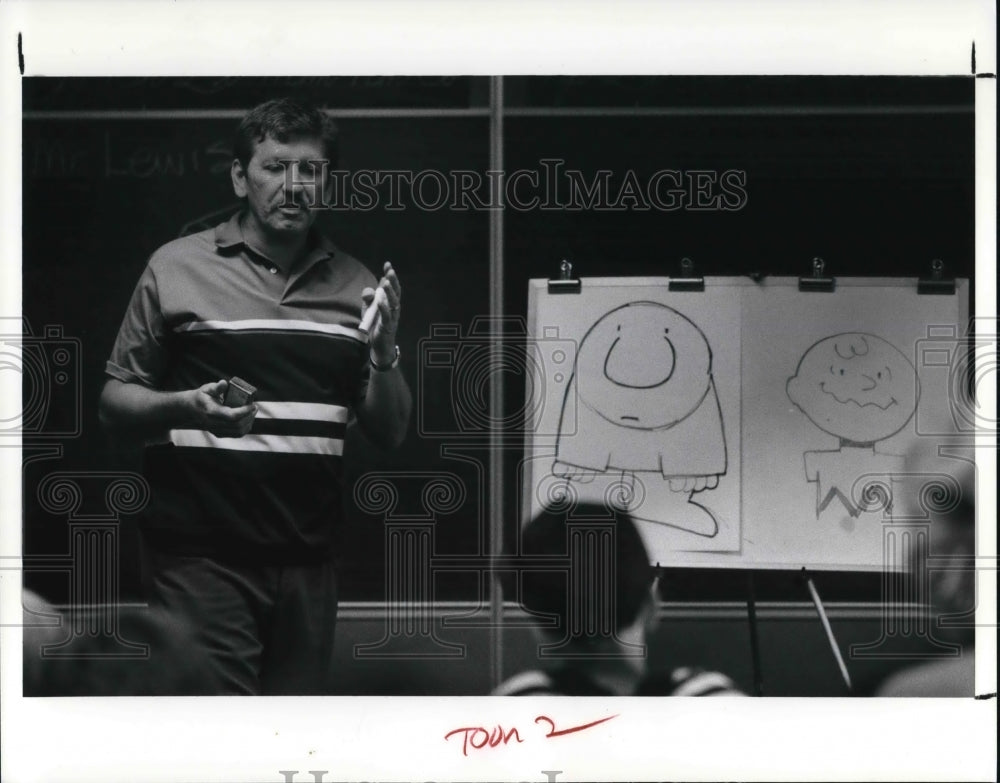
(952,677)
(689,681)
(530,683)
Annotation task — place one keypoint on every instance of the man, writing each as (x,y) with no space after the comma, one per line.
(245,497)
(604,604)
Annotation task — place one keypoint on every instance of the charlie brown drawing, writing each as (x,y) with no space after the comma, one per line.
(646,404)
(860,389)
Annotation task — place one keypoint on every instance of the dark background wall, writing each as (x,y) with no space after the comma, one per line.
(875,175)
(103,189)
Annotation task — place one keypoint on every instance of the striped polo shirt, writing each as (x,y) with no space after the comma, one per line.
(206,308)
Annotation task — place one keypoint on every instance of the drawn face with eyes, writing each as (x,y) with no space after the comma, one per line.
(643,366)
(855,386)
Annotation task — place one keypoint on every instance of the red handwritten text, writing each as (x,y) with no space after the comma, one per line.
(553,732)
(478,738)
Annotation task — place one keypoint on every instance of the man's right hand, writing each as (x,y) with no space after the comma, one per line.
(210,414)
(135,412)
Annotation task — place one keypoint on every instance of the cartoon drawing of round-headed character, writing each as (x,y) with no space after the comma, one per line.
(646,403)
(861,389)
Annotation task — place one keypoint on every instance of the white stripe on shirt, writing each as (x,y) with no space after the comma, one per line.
(309,411)
(272,325)
(286,444)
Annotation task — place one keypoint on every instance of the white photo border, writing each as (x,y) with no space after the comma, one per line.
(222,739)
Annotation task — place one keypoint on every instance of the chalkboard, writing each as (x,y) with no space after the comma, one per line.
(743,426)
(747,92)
(101,193)
(215,93)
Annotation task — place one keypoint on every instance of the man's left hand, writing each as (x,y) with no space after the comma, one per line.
(387,297)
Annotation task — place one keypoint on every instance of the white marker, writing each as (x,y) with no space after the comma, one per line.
(369,318)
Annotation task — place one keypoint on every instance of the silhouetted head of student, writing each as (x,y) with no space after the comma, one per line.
(943,492)
(587,575)
(940,476)
(110,664)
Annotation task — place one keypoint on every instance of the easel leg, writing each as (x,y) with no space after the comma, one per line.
(829,631)
(758,681)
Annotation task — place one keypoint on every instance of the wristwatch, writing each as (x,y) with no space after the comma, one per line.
(385,367)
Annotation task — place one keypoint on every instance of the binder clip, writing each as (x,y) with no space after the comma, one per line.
(818,283)
(687,281)
(565,283)
(937,283)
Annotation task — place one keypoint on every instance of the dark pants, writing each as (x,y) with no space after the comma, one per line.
(261,630)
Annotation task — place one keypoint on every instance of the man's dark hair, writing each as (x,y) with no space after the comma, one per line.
(284,119)
(626,568)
